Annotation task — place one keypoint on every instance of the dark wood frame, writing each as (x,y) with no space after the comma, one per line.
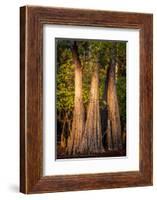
(32,20)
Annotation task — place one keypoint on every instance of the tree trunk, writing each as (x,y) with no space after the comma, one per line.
(74,140)
(92,139)
(104,117)
(66,130)
(113,107)
(63,139)
(109,136)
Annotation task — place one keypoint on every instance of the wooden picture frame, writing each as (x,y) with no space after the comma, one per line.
(32,19)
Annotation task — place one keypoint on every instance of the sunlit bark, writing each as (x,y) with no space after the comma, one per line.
(74,140)
(112,103)
(92,140)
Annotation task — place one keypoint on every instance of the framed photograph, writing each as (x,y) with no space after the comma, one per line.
(86,84)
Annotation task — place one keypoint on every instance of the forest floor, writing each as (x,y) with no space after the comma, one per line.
(112,153)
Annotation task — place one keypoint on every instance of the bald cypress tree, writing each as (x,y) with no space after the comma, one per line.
(75,137)
(114,124)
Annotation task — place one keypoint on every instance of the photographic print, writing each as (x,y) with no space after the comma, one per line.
(90,98)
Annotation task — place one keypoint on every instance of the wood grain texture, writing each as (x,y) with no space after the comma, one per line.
(32,20)
(22,100)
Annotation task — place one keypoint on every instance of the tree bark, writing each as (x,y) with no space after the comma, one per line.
(105,123)
(109,136)
(92,139)
(113,107)
(66,129)
(74,140)
(63,139)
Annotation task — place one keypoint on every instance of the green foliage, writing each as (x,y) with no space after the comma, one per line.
(65,79)
(65,88)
